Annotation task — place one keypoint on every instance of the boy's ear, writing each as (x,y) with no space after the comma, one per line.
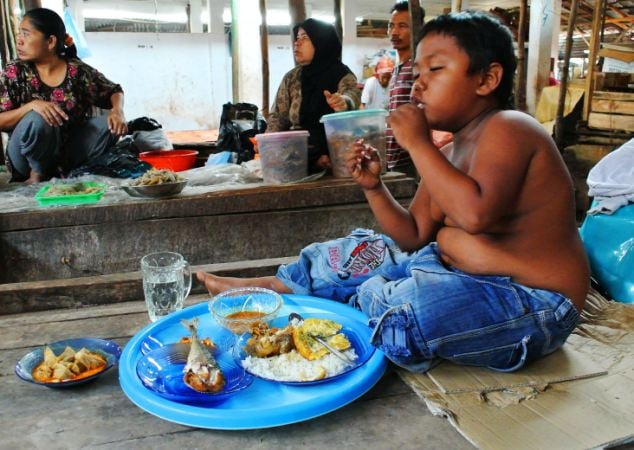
(490,79)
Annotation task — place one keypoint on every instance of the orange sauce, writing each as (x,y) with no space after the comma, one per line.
(248,318)
(79,376)
(242,315)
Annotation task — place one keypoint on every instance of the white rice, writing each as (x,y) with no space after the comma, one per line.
(294,367)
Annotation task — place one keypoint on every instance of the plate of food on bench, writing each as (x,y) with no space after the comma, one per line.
(302,351)
(65,193)
(156,183)
(68,362)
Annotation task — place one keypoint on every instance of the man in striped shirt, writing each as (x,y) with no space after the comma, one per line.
(401,83)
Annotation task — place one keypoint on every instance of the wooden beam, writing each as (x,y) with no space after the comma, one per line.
(264,45)
(520,80)
(297,11)
(338,21)
(563,87)
(415,23)
(592,57)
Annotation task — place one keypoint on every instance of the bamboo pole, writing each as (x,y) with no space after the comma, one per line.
(592,57)
(415,23)
(264,45)
(563,86)
(520,80)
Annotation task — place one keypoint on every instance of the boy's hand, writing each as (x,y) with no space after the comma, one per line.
(410,126)
(364,164)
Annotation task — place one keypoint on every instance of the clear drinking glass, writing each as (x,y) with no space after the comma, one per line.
(167,280)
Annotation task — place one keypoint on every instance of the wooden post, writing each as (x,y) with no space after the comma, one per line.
(592,57)
(338,20)
(520,76)
(297,10)
(415,23)
(31,4)
(563,86)
(264,45)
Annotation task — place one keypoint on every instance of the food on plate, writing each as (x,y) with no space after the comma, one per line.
(292,354)
(62,189)
(157,176)
(304,337)
(267,341)
(201,372)
(69,365)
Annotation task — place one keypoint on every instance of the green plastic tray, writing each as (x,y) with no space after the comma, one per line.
(73,199)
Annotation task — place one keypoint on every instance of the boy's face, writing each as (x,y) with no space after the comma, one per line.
(441,81)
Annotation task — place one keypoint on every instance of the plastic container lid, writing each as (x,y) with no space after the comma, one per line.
(282,135)
(353,114)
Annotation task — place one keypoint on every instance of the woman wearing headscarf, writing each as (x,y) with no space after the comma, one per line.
(46,97)
(320,84)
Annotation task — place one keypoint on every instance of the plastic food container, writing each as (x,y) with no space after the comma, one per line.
(176,160)
(344,128)
(71,199)
(284,156)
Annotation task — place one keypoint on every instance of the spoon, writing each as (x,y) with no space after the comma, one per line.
(342,356)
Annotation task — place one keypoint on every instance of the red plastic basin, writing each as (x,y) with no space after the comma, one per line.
(175,160)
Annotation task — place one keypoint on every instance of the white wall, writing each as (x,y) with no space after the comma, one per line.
(182,80)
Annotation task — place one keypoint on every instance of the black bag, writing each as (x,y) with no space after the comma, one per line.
(238,123)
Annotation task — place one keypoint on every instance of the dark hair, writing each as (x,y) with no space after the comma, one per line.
(403,5)
(485,40)
(50,23)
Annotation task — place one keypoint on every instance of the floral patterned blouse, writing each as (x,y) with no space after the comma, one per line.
(284,115)
(82,88)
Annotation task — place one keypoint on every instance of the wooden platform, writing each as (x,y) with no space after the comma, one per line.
(54,250)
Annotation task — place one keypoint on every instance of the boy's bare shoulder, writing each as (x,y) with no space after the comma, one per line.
(514,122)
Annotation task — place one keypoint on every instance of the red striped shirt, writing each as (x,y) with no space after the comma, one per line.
(400,90)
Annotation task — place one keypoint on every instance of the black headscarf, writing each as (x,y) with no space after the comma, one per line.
(323,73)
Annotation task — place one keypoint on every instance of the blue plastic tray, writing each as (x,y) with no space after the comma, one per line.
(264,404)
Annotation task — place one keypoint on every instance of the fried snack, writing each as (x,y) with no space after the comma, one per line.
(157,176)
(69,365)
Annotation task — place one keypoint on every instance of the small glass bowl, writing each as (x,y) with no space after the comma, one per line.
(238,310)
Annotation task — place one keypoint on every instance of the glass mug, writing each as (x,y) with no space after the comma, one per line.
(167,281)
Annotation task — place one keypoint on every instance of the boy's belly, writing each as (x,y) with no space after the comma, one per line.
(558,266)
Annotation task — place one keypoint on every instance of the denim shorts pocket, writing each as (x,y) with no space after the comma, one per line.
(396,334)
(505,358)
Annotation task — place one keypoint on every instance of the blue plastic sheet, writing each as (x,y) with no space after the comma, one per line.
(609,242)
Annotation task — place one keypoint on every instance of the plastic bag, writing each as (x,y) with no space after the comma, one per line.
(238,123)
(609,243)
(117,162)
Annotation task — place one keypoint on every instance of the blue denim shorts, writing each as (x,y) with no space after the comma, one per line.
(422,311)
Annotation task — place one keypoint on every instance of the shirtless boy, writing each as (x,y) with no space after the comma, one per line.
(486,266)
